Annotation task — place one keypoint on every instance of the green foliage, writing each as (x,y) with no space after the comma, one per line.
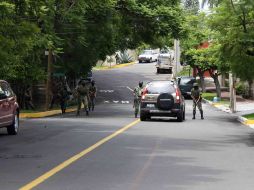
(233,21)
(241,89)
(80,33)
(19,42)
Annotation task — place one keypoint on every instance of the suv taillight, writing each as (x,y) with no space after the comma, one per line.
(178,94)
(145,91)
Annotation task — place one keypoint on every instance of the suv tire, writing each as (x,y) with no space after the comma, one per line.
(180,116)
(143,116)
(13,128)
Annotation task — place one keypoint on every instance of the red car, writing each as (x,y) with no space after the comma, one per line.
(9,109)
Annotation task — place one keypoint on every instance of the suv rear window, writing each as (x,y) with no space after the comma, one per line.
(160,87)
(187,81)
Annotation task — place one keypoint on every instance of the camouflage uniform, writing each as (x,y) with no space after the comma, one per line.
(82,97)
(64,97)
(92,96)
(137,99)
(197,101)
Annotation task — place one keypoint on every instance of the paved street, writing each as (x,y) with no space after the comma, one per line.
(212,154)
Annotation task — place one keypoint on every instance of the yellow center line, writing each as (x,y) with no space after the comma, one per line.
(73,159)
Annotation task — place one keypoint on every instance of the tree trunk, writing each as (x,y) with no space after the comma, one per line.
(215,77)
(217,85)
(202,79)
(250,93)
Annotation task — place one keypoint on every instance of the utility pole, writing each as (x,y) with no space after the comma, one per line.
(177,56)
(232,93)
(49,74)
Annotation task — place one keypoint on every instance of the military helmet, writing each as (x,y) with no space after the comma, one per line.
(140,83)
(195,84)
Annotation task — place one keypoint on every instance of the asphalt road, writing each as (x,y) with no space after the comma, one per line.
(162,154)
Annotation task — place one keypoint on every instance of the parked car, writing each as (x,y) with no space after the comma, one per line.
(148,56)
(162,98)
(165,61)
(9,109)
(185,84)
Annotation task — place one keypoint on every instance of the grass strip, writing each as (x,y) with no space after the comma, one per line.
(249,116)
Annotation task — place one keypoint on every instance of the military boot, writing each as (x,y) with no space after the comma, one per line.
(194,115)
(202,114)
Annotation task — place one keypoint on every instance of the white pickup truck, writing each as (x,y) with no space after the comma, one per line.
(165,61)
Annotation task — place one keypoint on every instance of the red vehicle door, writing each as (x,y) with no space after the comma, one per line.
(6,105)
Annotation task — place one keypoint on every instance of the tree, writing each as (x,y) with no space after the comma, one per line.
(197,33)
(20,57)
(79,33)
(233,21)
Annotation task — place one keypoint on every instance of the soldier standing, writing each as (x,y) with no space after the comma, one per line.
(82,97)
(64,97)
(197,100)
(92,95)
(137,97)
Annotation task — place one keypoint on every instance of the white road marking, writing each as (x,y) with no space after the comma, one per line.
(129,88)
(106,91)
(118,102)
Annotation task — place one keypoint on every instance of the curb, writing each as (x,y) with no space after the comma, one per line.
(218,106)
(245,121)
(115,66)
(241,119)
(43,114)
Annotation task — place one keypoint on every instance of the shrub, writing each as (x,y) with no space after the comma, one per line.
(241,89)
(125,57)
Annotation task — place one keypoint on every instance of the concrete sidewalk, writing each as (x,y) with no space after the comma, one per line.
(243,107)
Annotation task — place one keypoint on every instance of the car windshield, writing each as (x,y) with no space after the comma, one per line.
(164,51)
(160,87)
(186,81)
(147,52)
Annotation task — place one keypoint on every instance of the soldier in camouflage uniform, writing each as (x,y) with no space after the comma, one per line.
(137,97)
(197,100)
(82,97)
(92,95)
